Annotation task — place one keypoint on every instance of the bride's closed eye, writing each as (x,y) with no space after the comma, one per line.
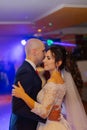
(48,58)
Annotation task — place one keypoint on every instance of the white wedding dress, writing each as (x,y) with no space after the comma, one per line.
(51,94)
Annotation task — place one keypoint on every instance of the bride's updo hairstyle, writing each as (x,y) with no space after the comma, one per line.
(59,52)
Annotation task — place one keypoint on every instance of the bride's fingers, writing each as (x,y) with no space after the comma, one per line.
(14,86)
(13,92)
(19,84)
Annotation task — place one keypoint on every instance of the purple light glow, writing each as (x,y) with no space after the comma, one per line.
(65,44)
(17,52)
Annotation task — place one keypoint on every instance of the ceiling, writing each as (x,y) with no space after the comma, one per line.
(53,17)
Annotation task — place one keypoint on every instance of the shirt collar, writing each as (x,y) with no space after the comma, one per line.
(32,64)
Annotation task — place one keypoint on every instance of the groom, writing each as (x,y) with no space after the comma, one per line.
(22,118)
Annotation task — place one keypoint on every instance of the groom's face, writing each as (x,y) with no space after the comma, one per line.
(40,53)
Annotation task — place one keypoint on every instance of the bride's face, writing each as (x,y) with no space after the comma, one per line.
(49,62)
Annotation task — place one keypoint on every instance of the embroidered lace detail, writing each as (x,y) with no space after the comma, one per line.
(51,94)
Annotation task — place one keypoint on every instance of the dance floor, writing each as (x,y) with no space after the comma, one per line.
(5,111)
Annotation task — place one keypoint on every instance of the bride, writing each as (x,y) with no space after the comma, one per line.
(52,94)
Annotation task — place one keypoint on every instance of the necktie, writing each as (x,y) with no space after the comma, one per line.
(36,71)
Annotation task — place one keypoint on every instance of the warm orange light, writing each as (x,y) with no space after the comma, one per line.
(39,30)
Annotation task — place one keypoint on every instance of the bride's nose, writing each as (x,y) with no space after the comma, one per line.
(44,60)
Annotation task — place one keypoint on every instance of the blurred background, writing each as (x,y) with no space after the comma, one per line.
(62,22)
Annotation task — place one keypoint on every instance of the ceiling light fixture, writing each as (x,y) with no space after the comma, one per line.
(50,24)
(39,30)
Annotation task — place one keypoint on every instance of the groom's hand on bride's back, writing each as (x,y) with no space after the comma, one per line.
(55,113)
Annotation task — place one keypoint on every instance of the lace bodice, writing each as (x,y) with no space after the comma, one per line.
(51,94)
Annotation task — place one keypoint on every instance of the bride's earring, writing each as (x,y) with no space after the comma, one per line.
(57,67)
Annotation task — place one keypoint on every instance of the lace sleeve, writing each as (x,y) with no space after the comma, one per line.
(43,109)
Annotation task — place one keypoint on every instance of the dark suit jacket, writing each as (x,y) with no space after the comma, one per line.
(22,118)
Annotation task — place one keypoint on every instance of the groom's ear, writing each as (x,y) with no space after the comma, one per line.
(34,52)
